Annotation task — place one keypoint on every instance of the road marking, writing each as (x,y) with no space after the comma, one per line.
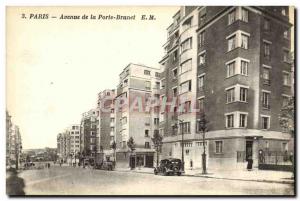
(46,179)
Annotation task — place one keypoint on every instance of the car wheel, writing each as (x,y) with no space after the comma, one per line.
(155,172)
(178,173)
(165,173)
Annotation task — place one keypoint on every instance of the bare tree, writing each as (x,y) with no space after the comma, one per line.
(157,141)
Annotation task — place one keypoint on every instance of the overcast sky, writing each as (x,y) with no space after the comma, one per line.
(55,68)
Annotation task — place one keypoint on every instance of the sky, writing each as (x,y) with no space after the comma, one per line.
(55,68)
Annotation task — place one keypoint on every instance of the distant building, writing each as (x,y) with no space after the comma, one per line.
(106,121)
(74,131)
(138,84)
(89,137)
(63,146)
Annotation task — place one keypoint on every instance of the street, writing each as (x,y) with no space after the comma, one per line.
(78,181)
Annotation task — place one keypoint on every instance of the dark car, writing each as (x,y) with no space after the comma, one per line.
(169,166)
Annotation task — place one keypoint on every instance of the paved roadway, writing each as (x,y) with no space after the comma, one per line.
(78,181)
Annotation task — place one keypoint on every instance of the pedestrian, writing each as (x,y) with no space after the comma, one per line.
(48,165)
(191,164)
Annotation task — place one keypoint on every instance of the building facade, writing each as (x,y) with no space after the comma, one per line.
(63,146)
(74,132)
(106,120)
(89,135)
(231,64)
(138,85)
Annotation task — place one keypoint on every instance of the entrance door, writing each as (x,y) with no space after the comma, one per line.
(132,161)
(149,161)
(249,149)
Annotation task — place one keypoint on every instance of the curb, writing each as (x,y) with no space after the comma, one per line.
(222,178)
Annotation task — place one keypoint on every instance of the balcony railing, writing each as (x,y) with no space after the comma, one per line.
(266,82)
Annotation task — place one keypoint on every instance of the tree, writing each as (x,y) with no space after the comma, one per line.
(131,146)
(287,116)
(157,141)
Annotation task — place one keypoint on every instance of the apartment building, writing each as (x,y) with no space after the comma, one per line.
(231,64)
(63,146)
(74,131)
(106,120)
(138,85)
(89,137)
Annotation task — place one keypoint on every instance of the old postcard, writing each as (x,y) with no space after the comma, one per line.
(150,101)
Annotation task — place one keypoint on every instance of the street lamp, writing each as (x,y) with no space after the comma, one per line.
(203,126)
(182,146)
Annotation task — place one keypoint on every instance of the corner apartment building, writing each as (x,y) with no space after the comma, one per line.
(63,146)
(138,84)
(106,120)
(89,137)
(230,63)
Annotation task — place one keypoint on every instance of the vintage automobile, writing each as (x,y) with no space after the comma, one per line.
(169,166)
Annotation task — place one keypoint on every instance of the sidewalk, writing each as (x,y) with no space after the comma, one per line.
(242,175)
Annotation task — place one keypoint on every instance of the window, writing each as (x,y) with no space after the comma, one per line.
(161,131)
(284,146)
(187,152)
(156,121)
(231,17)
(243,120)
(286,79)
(201,39)
(112,111)
(230,95)
(201,58)
(285,100)
(148,85)
(243,94)
(175,55)
(146,133)
(266,50)
(219,147)
(124,120)
(231,69)
(174,130)
(286,34)
(231,43)
(185,127)
(266,74)
(187,44)
(202,19)
(266,100)
(156,74)
(175,73)
(157,85)
(186,66)
(201,82)
(201,105)
(267,24)
(265,122)
(230,121)
(245,40)
(283,12)
(175,91)
(186,86)
(147,72)
(286,56)
(147,145)
(244,67)
(245,15)
(187,24)
(112,120)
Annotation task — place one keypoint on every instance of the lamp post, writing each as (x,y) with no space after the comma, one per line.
(182,138)
(203,126)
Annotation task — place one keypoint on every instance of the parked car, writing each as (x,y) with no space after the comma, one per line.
(169,166)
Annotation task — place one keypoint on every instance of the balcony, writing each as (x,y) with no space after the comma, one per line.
(267,82)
